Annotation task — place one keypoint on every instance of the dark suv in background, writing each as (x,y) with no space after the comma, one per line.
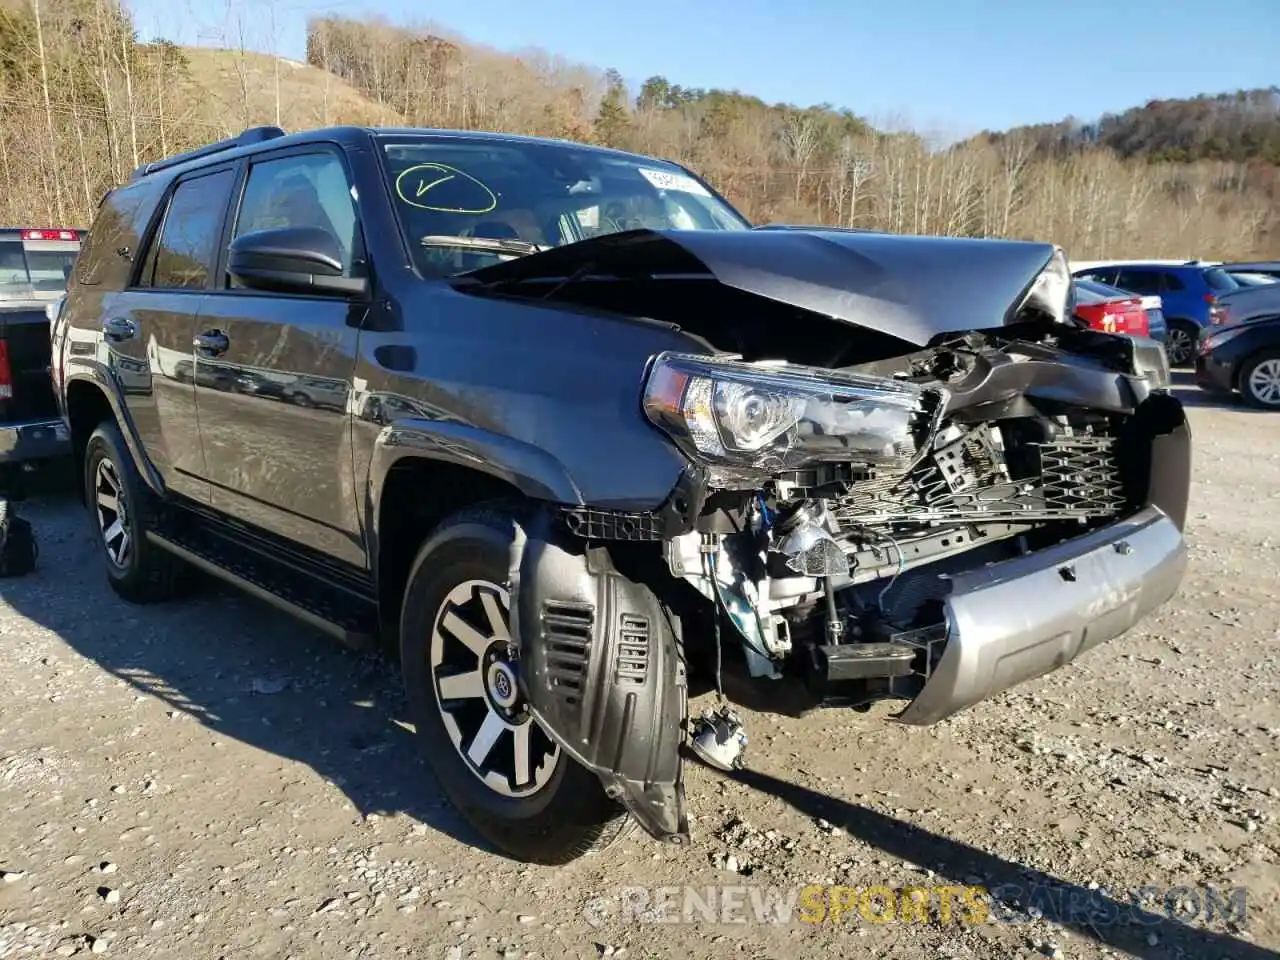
(554,423)
(1189,290)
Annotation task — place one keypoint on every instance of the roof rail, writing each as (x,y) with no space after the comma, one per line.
(250,136)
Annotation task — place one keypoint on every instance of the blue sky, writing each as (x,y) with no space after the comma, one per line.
(946,66)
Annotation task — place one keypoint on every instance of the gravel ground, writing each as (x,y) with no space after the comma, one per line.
(208,779)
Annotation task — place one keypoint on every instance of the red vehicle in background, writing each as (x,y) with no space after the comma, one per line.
(1111,310)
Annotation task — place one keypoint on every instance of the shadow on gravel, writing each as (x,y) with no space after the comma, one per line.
(240,668)
(1089,913)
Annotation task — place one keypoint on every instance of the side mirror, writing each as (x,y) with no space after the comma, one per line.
(292,260)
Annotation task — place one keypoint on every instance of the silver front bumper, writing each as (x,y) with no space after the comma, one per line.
(1023,618)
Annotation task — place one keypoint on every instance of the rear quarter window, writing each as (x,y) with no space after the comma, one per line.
(1220,281)
(107,255)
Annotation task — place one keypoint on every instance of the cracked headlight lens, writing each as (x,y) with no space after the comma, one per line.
(748,419)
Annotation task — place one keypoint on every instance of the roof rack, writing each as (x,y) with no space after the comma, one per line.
(249,137)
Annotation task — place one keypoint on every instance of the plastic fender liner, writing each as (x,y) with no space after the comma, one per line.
(602,671)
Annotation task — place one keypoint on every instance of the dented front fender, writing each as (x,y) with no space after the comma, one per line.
(602,671)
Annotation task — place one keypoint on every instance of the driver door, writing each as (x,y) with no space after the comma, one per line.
(274,421)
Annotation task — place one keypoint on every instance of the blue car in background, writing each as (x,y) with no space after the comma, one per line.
(1188,289)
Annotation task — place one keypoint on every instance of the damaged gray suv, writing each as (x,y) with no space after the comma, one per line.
(560,429)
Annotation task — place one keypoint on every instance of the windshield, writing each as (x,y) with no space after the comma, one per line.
(33,274)
(537,194)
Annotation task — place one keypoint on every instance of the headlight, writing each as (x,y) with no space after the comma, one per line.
(746,419)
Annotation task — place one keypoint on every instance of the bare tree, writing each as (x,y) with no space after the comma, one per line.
(799,137)
(56,206)
(1015,152)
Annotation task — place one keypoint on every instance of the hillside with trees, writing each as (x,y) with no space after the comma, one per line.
(1240,127)
(82,102)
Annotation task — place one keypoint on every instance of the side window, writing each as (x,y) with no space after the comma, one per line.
(13,267)
(183,255)
(1144,282)
(1172,283)
(307,190)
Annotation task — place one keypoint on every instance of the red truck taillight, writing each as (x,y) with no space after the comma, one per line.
(6,374)
(50,235)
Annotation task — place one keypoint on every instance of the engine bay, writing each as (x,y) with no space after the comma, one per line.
(840,573)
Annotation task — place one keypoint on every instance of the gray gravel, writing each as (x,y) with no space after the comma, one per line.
(208,779)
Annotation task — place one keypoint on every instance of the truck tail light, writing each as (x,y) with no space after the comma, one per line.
(50,235)
(6,374)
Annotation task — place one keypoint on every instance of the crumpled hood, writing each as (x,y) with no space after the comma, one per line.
(910,287)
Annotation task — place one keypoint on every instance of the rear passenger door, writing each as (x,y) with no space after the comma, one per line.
(1146,283)
(273,388)
(148,327)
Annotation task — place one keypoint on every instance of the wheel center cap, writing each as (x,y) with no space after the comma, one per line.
(502,685)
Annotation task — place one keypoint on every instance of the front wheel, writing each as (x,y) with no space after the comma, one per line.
(496,764)
(1260,381)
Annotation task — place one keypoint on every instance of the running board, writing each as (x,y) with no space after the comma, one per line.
(283,588)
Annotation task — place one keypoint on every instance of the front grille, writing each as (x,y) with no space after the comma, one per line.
(1079,474)
(967,481)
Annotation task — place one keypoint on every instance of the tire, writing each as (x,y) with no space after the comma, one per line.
(546,810)
(137,569)
(1180,342)
(1260,380)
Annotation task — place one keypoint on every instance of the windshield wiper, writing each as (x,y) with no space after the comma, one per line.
(508,246)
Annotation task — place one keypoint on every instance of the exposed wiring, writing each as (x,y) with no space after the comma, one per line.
(897,573)
(709,563)
(765,516)
(715,585)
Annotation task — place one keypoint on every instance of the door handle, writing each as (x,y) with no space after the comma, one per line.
(211,343)
(118,329)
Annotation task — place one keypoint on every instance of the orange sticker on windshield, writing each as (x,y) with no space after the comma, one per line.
(443,189)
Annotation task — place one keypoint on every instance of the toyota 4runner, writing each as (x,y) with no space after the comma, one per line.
(557,424)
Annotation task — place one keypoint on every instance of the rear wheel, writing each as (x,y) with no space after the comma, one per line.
(497,765)
(1260,381)
(1180,342)
(123,509)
